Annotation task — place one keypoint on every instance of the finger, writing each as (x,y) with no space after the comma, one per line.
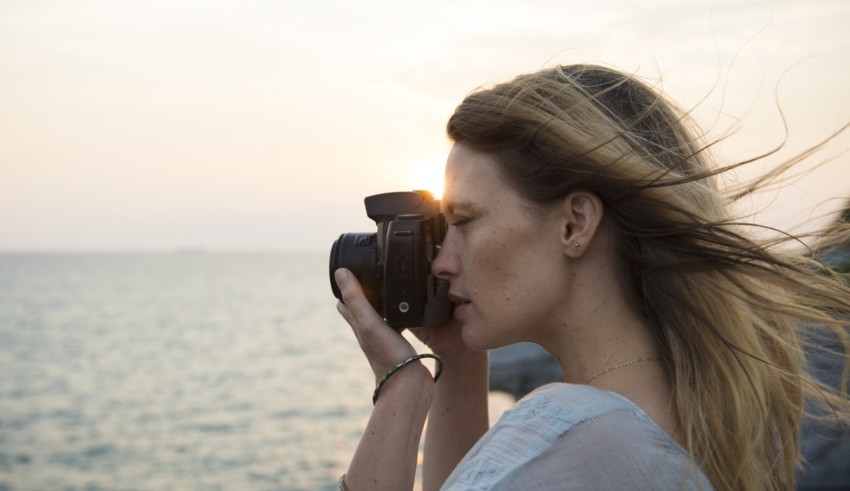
(343,310)
(383,346)
(357,309)
(353,323)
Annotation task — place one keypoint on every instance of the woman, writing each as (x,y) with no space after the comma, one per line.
(583,216)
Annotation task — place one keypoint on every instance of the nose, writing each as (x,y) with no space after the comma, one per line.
(447,263)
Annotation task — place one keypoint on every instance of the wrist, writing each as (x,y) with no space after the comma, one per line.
(465,362)
(414,361)
(411,382)
(460,353)
(467,374)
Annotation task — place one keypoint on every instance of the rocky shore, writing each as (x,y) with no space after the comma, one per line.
(520,368)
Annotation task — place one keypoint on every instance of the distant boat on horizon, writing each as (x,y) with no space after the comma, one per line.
(190,250)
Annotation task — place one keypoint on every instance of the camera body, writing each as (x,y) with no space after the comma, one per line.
(394,265)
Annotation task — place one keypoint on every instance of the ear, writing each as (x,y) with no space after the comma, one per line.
(581,215)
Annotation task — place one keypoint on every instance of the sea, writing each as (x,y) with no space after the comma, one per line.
(181,371)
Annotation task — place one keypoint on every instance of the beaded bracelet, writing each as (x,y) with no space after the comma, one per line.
(400,365)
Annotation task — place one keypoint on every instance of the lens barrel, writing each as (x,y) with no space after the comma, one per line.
(358,252)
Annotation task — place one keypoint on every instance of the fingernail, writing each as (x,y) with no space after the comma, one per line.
(341,275)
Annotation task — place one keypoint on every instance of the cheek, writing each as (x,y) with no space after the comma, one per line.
(486,265)
(497,270)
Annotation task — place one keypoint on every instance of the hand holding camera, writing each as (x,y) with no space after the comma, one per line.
(393,266)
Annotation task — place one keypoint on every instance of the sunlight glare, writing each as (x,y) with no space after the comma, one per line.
(427,174)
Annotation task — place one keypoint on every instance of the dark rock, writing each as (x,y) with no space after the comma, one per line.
(520,368)
(825,442)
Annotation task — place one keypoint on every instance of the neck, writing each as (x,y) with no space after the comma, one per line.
(625,364)
(618,353)
(612,337)
(596,329)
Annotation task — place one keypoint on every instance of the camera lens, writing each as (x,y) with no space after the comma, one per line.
(358,252)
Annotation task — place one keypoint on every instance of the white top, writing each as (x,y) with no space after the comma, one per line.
(576,437)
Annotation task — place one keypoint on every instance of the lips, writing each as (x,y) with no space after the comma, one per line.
(457,299)
(461,304)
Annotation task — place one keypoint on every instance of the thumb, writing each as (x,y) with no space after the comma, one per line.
(357,309)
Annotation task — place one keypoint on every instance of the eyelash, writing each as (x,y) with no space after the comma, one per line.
(460,221)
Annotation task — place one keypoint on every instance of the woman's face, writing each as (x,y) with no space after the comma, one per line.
(504,261)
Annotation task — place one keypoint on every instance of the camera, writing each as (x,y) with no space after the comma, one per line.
(394,265)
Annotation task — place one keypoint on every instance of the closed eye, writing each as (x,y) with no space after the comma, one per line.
(459,221)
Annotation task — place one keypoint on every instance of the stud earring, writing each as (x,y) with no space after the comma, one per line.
(578,245)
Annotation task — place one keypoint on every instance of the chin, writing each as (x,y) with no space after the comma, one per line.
(470,339)
(476,340)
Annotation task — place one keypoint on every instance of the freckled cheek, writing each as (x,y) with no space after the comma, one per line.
(489,270)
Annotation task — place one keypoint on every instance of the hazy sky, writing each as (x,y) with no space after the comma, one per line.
(261,125)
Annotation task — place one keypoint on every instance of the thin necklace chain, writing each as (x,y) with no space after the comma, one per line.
(621,365)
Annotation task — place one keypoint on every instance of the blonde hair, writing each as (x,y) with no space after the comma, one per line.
(727,309)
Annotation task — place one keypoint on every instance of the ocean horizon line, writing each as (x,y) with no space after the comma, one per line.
(162,251)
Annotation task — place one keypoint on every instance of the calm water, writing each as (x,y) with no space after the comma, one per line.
(195,371)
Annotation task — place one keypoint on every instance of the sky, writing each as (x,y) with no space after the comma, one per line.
(260,125)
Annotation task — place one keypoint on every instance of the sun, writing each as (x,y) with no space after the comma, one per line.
(427,174)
